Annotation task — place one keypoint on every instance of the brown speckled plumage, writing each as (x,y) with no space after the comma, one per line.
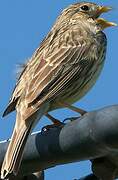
(64,67)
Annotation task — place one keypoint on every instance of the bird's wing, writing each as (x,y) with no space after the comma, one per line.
(64,72)
(66,66)
(24,76)
(43,79)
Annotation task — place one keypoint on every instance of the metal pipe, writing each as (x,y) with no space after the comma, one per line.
(91,136)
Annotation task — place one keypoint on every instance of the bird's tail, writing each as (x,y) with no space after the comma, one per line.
(15,150)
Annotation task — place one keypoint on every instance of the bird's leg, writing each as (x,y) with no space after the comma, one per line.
(55,121)
(73,108)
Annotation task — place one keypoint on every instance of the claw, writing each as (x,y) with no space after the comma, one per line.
(48,127)
(70,119)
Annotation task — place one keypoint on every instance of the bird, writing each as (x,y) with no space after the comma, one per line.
(61,71)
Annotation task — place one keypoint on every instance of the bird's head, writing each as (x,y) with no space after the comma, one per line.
(90,11)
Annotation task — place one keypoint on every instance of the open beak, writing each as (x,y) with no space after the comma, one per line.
(103,9)
(102,22)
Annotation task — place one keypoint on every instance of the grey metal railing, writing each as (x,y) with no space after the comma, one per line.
(93,136)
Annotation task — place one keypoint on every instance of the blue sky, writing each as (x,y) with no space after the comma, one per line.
(23,24)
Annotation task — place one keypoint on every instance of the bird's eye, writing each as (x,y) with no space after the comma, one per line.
(85,8)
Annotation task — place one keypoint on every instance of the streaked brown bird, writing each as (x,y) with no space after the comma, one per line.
(61,71)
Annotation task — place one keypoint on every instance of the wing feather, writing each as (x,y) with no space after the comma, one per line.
(68,72)
(47,75)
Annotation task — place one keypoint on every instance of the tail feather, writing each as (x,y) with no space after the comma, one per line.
(26,119)
(15,151)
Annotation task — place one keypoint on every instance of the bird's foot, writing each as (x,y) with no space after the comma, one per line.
(56,123)
(70,119)
(48,127)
